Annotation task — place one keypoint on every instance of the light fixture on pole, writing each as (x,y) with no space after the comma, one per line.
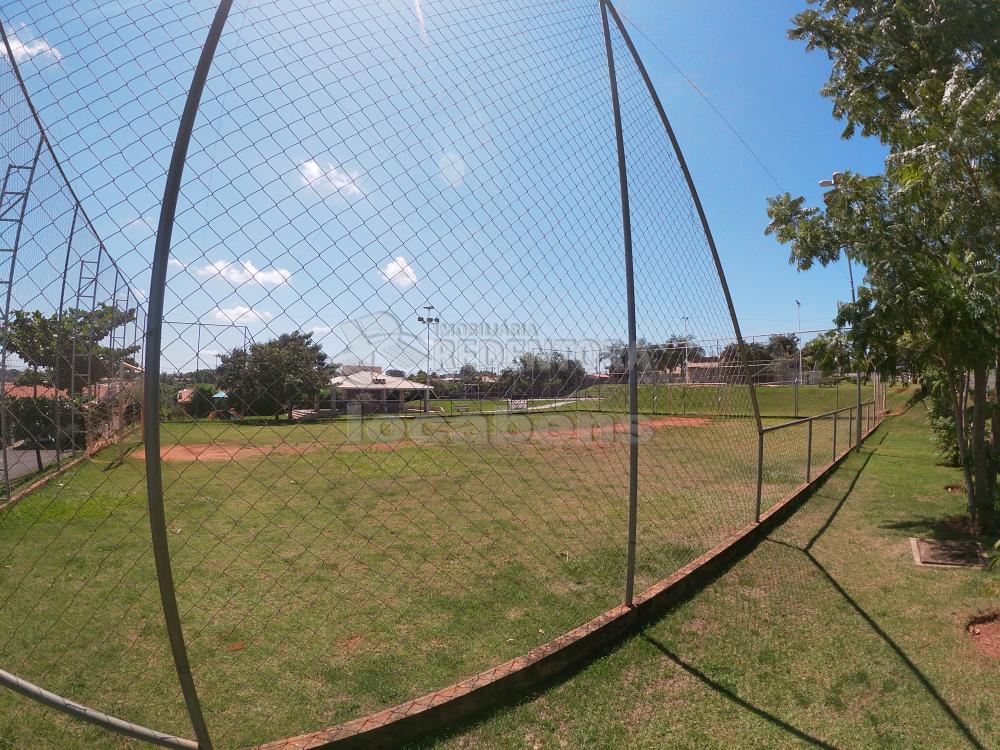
(428,321)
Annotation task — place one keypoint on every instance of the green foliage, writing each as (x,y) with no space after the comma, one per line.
(828,353)
(663,357)
(33,420)
(30,377)
(201,403)
(275,376)
(68,346)
(543,375)
(924,78)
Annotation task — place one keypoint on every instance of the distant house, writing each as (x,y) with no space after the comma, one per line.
(11,390)
(368,390)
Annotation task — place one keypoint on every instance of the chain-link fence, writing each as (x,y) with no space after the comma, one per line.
(438,361)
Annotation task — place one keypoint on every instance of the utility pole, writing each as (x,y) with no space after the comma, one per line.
(427,320)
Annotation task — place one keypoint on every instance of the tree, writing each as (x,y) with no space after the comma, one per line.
(924,79)
(783,344)
(828,353)
(543,375)
(67,347)
(202,402)
(274,377)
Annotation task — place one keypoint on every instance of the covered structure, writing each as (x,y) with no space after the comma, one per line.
(369,390)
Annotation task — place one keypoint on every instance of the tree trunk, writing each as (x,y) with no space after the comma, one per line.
(980,459)
(958,406)
(995,425)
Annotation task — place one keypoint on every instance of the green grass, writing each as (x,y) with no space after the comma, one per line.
(773,400)
(358,564)
(826,633)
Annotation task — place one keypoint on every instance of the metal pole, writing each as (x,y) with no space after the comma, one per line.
(760,473)
(809,453)
(151,392)
(6,307)
(427,391)
(697,203)
(59,316)
(91,715)
(633,385)
(835,435)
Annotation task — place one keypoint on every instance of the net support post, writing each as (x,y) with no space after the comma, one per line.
(151,376)
(809,453)
(633,379)
(760,474)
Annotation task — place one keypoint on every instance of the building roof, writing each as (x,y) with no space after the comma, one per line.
(375,381)
(30,391)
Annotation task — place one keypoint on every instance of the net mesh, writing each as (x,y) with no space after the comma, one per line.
(394,413)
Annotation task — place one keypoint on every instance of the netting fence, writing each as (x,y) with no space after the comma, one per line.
(431,348)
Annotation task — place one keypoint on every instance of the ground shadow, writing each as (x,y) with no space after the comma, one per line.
(806,551)
(730,695)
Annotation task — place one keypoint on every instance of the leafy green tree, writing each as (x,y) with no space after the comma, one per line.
(828,353)
(923,78)
(540,375)
(274,377)
(783,344)
(68,348)
(201,403)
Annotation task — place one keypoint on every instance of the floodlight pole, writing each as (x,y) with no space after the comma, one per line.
(798,318)
(428,320)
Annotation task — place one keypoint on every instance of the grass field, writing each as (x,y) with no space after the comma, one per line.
(325,571)
(773,400)
(827,635)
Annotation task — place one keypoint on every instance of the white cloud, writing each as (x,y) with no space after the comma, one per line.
(239,314)
(399,272)
(420,19)
(173,262)
(452,168)
(320,330)
(209,353)
(140,223)
(333,179)
(243,271)
(26,50)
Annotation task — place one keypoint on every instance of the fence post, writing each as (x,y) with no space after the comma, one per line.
(151,376)
(633,385)
(835,415)
(857,437)
(760,473)
(809,453)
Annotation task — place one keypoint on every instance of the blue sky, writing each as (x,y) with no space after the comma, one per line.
(353,164)
(768,87)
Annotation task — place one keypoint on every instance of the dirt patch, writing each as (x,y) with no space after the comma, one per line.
(984,630)
(222,452)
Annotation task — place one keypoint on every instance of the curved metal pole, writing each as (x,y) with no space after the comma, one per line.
(633,375)
(697,203)
(94,716)
(151,390)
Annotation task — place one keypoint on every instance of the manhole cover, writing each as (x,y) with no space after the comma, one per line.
(951,552)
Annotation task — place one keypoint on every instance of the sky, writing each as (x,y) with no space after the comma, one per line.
(357,160)
(768,87)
